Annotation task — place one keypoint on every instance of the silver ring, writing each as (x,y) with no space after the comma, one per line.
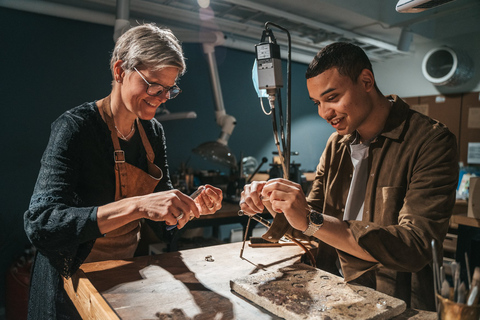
(211,208)
(180,216)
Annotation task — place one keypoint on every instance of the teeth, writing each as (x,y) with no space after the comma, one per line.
(153,105)
(335,121)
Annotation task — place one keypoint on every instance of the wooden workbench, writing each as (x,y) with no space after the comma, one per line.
(180,285)
(459,215)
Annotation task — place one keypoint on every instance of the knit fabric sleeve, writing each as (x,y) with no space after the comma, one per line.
(58,223)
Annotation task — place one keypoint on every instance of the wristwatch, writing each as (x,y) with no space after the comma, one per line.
(315,222)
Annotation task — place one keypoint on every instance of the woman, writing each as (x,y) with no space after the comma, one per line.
(104,172)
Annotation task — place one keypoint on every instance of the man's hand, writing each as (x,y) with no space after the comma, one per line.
(209,200)
(288,197)
(251,200)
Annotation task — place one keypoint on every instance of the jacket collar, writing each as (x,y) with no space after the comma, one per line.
(396,120)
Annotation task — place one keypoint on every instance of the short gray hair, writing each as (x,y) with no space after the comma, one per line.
(149,46)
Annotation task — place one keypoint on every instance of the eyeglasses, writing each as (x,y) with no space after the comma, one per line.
(156,89)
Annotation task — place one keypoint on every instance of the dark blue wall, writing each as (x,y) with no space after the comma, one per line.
(253,135)
(51,64)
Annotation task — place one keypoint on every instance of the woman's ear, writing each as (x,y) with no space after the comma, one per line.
(118,72)
(367,79)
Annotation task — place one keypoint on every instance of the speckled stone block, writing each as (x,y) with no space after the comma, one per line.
(303,292)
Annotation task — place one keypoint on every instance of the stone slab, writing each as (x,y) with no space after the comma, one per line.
(301,292)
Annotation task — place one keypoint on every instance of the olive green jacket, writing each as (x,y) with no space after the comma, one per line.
(413,175)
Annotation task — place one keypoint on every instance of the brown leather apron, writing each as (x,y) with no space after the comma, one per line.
(130,181)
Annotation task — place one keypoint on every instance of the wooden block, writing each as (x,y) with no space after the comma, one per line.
(474,194)
(301,292)
(88,301)
(470,125)
(413,314)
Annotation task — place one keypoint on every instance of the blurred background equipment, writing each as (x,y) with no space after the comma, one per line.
(218,151)
(474,198)
(163,114)
(405,40)
(445,66)
(248,167)
(252,174)
(269,78)
(295,174)
(18,285)
(412,6)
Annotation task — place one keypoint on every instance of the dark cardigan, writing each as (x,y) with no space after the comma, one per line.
(75,178)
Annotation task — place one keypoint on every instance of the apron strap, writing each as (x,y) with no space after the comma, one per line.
(119,155)
(146,143)
(153,169)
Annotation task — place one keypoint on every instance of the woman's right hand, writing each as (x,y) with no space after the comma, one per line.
(165,206)
(172,206)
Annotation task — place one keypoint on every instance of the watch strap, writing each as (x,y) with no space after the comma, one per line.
(312,227)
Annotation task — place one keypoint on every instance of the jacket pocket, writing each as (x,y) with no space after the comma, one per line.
(388,203)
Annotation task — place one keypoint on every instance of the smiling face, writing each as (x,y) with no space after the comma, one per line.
(134,95)
(345,105)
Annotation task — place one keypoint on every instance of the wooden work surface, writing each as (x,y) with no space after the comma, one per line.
(181,285)
(460,215)
(466,221)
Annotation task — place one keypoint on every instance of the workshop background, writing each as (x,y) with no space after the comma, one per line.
(51,64)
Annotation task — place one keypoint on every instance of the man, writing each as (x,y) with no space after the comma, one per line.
(385,183)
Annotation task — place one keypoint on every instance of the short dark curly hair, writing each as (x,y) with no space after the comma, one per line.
(349,59)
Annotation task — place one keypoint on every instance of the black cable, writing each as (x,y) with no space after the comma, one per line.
(277,142)
(271,38)
(280,117)
(287,146)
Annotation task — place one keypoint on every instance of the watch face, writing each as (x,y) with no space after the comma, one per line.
(316,217)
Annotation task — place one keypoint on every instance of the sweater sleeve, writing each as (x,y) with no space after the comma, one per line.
(56,223)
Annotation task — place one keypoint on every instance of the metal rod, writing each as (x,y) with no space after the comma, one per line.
(267,224)
(214,77)
(245,237)
(469,276)
(435,273)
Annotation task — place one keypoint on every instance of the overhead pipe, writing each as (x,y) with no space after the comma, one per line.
(210,37)
(218,150)
(59,10)
(225,121)
(68,12)
(122,21)
(186,36)
(313,23)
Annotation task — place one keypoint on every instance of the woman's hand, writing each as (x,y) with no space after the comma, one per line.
(176,208)
(209,201)
(172,206)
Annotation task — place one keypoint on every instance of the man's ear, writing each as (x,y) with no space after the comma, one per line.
(367,79)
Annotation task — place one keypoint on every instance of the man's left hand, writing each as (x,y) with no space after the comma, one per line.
(288,197)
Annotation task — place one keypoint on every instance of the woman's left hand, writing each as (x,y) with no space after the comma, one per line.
(210,200)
